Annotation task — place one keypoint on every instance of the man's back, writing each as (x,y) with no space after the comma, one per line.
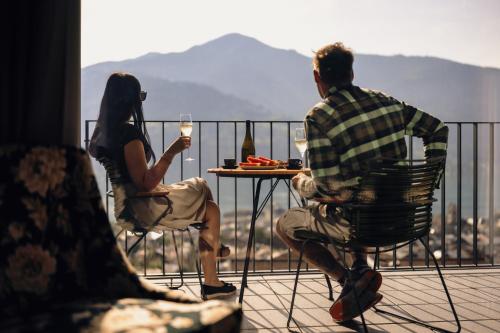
(352,126)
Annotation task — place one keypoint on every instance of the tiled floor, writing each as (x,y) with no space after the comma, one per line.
(475,293)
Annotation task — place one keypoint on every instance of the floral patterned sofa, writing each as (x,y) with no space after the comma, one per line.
(60,267)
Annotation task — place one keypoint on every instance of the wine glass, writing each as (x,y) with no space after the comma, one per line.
(301,142)
(186,125)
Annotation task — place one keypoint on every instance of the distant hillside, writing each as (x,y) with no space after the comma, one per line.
(167,99)
(238,77)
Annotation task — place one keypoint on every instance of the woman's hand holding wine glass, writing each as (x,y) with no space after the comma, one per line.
(180,144)
(186,126)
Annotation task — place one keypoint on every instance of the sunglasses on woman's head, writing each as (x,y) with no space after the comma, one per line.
(142,95)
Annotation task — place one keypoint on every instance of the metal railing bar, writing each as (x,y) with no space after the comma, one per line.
(459,194)
(163,252)
(410,250)
(199,149)
(217,178)
(163,144)
(401,270)
(235,204)
(294,121)
(145,258)
(182,165)
(474,200)
(443,219)
(256,218)
(491,186)
(289,200)
(218,163)
(253,196)
(271,242)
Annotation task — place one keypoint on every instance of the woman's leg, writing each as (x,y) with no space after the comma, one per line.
(209,243)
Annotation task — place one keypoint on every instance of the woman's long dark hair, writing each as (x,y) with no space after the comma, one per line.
(120,102)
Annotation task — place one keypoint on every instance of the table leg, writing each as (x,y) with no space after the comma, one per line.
(250,239)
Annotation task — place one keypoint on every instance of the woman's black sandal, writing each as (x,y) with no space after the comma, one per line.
(211,292)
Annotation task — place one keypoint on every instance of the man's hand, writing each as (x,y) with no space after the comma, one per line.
(295,180)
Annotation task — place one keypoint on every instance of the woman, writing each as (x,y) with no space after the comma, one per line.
(125,150)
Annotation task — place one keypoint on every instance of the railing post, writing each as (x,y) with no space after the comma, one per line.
(459,194)
(491,182)
(410,250)
(474,200)
(443,219)
(199,148)
(289,200)
(271,242)
(235,202)
(217,178)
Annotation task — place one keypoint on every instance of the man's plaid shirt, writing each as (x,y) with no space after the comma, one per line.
(352,126)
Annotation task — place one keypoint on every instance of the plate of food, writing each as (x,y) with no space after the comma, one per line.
(259,163)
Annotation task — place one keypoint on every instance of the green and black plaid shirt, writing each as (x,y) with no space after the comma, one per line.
(352,126)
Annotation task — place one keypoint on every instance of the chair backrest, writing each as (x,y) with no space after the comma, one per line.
(393,203)
(137,214)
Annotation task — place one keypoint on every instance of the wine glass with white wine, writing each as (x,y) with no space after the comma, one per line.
(301,142)
(186,125)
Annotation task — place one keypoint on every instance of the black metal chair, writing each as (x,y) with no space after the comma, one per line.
(134,224)
(392,207)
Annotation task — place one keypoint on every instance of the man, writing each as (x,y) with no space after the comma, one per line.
(347,129)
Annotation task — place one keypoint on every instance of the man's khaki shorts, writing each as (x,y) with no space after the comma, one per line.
(310,218)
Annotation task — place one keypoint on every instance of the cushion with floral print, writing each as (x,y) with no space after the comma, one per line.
(57,247)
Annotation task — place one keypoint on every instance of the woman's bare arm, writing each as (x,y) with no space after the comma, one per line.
(144,178)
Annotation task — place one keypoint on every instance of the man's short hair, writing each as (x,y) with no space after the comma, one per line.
(334,64)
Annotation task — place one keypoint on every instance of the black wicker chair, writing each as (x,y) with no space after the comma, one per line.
(135,227)
(391,208)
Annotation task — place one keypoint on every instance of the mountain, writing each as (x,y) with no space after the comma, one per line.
(244,78)
(167,99)
(236,65)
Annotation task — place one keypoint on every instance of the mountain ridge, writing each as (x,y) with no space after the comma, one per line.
(279,82)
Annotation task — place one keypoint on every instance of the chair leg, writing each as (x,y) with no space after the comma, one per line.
(198,271)
(375,261)
(179,263)
(421,323)
(330,289)
(295,284)
(356,297)
(129,251)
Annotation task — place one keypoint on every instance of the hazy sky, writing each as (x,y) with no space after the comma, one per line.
(467,31)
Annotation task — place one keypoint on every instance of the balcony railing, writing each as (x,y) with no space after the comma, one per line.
(466,227)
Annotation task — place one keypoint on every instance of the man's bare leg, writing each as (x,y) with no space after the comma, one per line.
(317,255)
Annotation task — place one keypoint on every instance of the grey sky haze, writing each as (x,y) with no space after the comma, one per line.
(466,31)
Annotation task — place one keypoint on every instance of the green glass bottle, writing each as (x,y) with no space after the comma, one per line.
(248,147)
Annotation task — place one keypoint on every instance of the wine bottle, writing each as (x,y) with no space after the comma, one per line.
(248,147)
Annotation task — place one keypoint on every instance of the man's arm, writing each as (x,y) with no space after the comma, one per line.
(432,130)
(323,162)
